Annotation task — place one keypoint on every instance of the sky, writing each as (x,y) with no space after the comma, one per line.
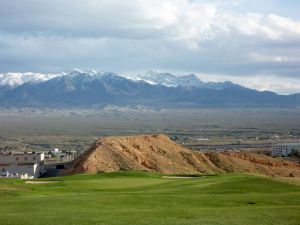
(253,43)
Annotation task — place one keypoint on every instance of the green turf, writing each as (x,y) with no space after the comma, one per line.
(134,198)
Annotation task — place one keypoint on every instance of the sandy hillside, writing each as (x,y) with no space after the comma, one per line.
(158,153)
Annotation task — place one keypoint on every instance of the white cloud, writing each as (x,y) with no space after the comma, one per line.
(260,82)
(260,57)
(186,35)
(175,19)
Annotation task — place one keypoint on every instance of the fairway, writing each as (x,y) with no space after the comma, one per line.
(146,198)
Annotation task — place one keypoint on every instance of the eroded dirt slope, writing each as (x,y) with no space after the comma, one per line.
(157,153)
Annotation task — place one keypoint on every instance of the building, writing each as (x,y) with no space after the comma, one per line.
(56,151)
(285,149)
(26,165)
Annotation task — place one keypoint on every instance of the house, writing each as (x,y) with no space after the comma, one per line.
(285,149)
(26,165)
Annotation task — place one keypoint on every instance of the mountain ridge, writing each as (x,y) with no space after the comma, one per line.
(89,89)
(151,77)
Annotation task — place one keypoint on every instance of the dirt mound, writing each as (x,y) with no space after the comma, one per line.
(157,153)
(246,162)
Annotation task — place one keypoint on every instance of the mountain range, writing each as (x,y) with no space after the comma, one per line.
(99,89)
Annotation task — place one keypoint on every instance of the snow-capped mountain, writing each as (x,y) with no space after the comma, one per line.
(168,79)
(17,79)
(99,89)
(153,78)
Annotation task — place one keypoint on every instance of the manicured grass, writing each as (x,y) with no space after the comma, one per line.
(131,198)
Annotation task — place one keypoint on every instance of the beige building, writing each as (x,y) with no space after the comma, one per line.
(21,165)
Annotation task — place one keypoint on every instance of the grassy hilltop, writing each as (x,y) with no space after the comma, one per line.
(146,198)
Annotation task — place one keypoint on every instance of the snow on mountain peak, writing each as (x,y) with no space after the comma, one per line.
(16,79)
(168,79)
(151,77)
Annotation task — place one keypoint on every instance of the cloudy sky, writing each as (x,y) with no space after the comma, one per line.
(255,43)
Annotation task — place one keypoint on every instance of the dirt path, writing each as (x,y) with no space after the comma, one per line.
(42,182)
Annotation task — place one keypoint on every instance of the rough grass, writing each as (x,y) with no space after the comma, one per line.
(147,198)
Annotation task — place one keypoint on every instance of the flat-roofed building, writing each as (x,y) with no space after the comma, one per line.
(21,165)
(285,149)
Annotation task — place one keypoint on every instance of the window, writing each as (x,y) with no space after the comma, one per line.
(17,158)
(3,170)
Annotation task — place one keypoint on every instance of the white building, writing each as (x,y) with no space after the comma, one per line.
(56,151)
(285,149)
(21,165)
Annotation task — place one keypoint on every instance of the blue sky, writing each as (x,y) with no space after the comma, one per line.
(254,43)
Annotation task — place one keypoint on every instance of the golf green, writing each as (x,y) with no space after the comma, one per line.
(129,198)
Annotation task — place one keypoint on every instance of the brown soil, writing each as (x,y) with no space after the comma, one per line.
(157,153)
